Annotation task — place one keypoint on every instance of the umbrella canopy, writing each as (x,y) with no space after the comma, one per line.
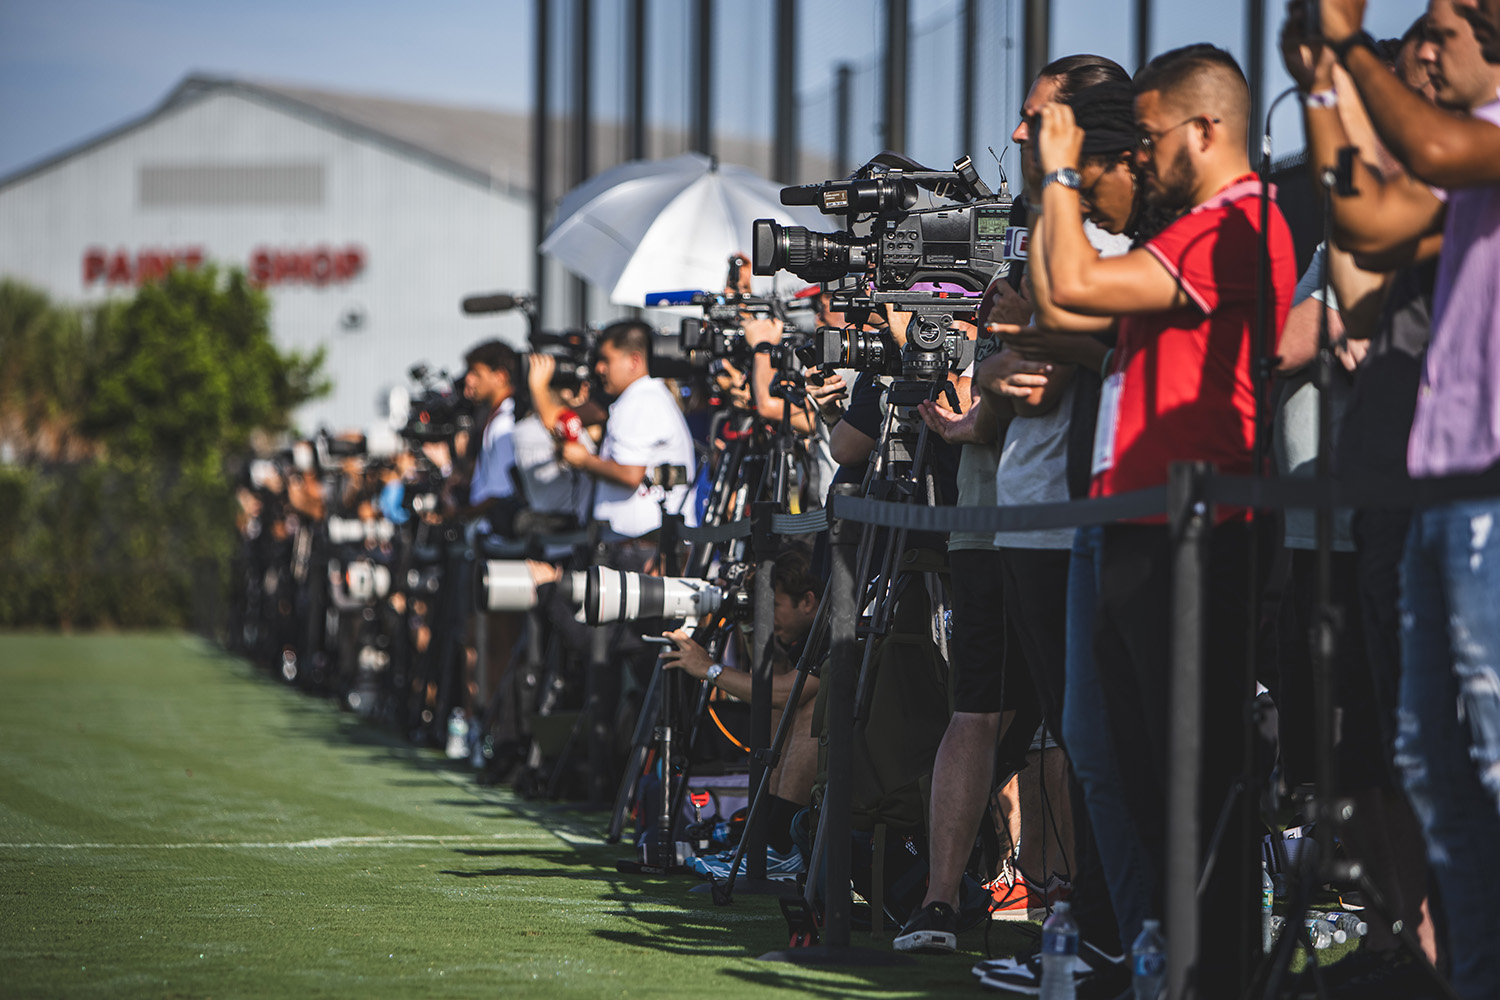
(659,225)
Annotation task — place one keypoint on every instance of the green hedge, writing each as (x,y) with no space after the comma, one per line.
(119,424)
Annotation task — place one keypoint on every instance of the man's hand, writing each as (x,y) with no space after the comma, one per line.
(574,453)
(539,369)
(1061,141)
(1009,374)
(1309,62)
(687,655)
(1003,304)
(828,395)
(1350,353)
(952,427)
(1342,18)
(761,331)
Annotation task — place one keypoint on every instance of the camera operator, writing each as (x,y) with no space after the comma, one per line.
(557,494)
(1180,387)
(791,783)
(490,378)
(645,432)
(1448,586)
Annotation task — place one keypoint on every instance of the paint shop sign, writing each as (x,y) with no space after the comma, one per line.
(316,266)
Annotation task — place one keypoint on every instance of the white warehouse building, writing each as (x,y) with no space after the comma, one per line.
(365,219)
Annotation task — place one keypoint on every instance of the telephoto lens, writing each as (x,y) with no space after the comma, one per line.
(810,256)
(510,585)
(611,595)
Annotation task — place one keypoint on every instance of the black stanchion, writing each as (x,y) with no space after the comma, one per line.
(838,795)
(1190,519)
(762,539)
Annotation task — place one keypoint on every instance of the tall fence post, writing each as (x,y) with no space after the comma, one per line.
(1190,519)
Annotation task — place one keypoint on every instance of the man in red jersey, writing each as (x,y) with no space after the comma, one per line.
(1179,387)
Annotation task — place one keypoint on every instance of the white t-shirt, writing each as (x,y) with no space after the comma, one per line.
(496,456)
(645,427)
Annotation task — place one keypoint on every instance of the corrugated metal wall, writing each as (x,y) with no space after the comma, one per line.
(232,175)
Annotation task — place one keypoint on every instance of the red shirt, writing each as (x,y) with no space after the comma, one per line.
(1182,379)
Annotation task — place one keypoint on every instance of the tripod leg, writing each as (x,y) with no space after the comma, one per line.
(640,747)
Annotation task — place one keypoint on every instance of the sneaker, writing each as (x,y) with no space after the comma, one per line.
(1017,899)
(779,867)
(930,931)
(1095,973)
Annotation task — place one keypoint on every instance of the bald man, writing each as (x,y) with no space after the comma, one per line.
(1178,388)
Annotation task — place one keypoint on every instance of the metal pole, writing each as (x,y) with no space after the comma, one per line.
(1037,30)
(1143,33)
(763,648)
(838,795)
(785,168)
(541,163)
(583,124)
(637,56)
(1255,68)
(703,88)
(968,77)
(897,29)
(842,100)
(1190,519)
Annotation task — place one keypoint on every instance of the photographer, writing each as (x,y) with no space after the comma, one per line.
(1180,387)
(1448,584)
(646,432)
(791,783)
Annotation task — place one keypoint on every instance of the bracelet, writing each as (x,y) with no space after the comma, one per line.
(1321,99)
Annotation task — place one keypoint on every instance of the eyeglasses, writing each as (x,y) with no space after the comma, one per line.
(1148,140)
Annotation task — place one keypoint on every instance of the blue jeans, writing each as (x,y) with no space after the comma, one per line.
(1086,732)
(1448,725)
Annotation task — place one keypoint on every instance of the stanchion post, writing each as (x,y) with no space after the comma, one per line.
(1190,519)
(763,546)
(838,796)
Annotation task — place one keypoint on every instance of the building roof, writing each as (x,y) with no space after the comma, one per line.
(486,146)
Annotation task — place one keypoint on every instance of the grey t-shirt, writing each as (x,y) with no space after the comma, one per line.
(1033,468)
(976,472)
(552,486)
(1295,438)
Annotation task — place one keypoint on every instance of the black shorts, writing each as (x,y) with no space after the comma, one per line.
(983,644)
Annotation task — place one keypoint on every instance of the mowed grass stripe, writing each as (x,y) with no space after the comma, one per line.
(174,823)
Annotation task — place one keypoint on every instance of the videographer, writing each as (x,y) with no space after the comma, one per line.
(646,432)
(791,783)
(1449,585)
(557,494)
(1180,387)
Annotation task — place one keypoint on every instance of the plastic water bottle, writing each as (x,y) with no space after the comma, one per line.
(1322,935)
(458,735)
(1148,962)
(1349,923)
(1059,953)
(1267,899)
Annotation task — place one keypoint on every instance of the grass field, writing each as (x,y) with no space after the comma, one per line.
(175,825)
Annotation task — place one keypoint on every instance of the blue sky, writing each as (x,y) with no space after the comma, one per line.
(70,69)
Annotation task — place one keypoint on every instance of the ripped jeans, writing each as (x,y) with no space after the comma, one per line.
(1448,732)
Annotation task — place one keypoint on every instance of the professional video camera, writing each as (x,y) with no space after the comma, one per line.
(963,243)
(574,352)
(438,410)
(719,335)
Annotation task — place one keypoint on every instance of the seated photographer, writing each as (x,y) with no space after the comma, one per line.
(791,783)
(645,432)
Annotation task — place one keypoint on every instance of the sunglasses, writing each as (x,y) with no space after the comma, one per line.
(1148,140)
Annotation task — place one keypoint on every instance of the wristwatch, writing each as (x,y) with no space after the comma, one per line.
(1359,40)
(714,670)
(1067,177)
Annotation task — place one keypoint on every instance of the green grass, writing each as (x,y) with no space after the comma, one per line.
(173,824)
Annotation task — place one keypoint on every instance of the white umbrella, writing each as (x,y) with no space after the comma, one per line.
(665,225)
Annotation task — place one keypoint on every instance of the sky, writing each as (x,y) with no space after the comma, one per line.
(70,69)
